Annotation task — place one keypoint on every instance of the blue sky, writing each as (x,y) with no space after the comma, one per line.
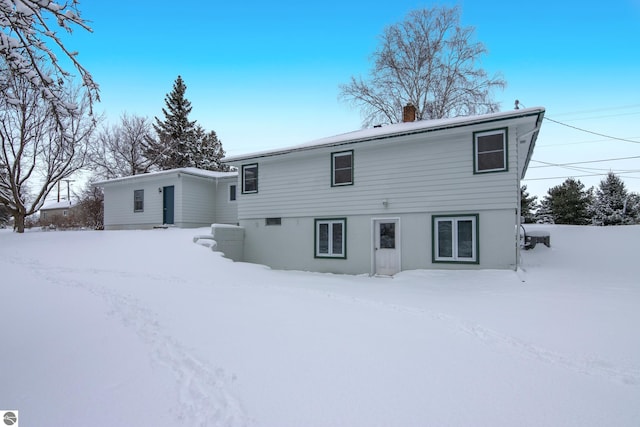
(267,74)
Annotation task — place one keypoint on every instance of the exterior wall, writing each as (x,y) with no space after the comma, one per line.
(423,173)
(226,211)
(290,246)
(410,177)
(118,203)
(198,201)
(51,216)
(195,205)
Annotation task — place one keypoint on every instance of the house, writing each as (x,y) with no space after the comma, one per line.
(415,195)
(185,197)
(57,213)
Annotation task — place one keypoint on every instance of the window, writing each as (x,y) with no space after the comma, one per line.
(138,200)
(249,178)
(273,221)
(330,238)
(64,212)
(490,151)
(232,193)
(455,238)
(342,168)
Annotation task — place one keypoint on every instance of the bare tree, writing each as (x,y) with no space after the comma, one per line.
(90,210)
(38,150)
(427,60)
(118,150)
(26,26)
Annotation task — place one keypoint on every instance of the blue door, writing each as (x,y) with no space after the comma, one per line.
(167,205)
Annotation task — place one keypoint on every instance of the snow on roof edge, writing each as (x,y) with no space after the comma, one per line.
(59,205)
(189,171)
(389,131)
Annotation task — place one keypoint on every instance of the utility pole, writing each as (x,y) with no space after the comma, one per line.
(68,181)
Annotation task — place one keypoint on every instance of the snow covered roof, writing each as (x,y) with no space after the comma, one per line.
(58,205)
(188,171)
(393,130)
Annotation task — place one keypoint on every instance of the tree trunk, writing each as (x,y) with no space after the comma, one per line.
(18,218)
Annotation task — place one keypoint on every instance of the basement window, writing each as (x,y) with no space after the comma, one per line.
(273,221)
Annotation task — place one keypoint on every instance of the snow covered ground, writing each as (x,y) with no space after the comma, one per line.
(146,328)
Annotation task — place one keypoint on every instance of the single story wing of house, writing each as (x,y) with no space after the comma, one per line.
(185,197)
(414,195)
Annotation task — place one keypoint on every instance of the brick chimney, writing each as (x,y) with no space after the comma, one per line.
(409,113)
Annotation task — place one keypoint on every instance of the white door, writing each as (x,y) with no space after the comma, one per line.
(386,246)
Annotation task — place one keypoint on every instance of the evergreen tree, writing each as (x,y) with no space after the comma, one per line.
(175,133)
(181,142)
(569,203)
(527,204)
(613,205)
(207,152)
(544,214)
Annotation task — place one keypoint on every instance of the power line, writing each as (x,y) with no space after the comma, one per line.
(580,176)
(591,132)
(598,110)
(548,165)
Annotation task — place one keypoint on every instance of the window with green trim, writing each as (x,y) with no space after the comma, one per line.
(490,151)
(341,168)
(250,178)
(330,238)
(455,238)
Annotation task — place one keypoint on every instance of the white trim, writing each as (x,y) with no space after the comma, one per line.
(330,222)
(244,168)
(454,238)
(334,169)
(478,135)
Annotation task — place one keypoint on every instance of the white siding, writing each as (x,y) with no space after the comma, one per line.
(118,203)
(226,210)
(410,177)
(195,202)
(431,172)
(290,246)
(198,201)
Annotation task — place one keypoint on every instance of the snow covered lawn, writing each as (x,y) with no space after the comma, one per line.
(146,328)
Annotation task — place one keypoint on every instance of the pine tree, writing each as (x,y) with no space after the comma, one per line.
(613,205)
(170,149)
(544,214)
(181,142)
(569,203)
(527,204)
(207,152)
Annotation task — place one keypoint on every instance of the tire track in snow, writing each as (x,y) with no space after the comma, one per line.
(202,391)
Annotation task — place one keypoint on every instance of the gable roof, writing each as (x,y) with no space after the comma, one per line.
(187,171)
(401,129)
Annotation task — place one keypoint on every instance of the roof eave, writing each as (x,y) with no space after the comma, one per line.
(448,124)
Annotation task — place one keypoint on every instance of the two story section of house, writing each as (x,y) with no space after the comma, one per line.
(415,195)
